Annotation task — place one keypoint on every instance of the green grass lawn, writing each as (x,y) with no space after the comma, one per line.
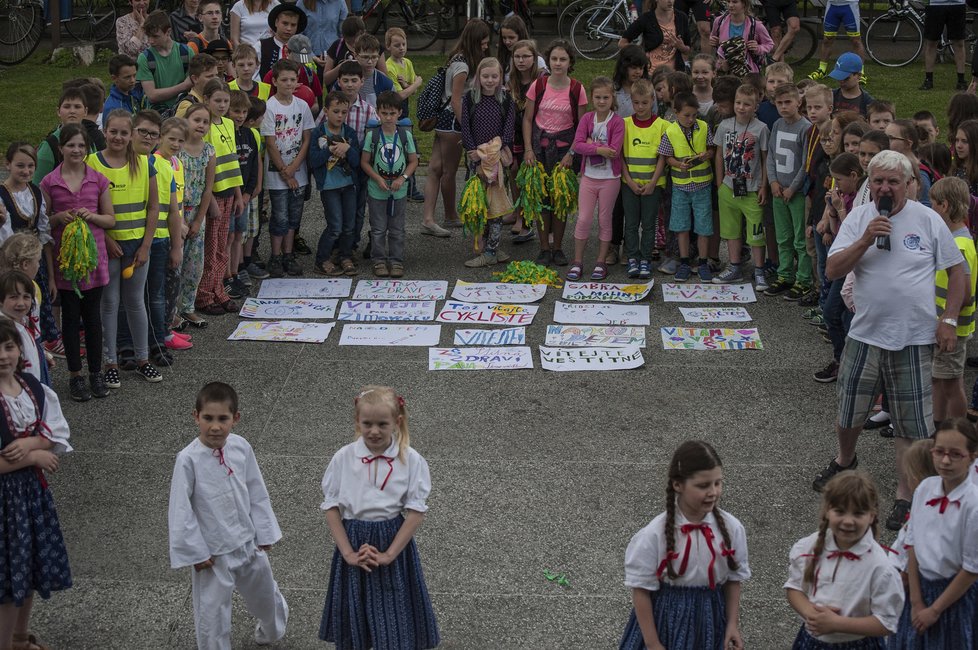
(31,92)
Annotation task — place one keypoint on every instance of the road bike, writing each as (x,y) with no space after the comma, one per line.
(896,37)
(422,20)
(91,20)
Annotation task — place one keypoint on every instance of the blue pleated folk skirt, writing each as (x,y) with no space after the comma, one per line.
(805,641)
(685,617)
(956,628)
(387,608)
(33,558)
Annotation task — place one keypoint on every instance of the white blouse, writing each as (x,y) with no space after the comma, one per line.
(372,487)
(898,552)
(24,416)
(858,582)
(944,542)
(699,547)
(254,26)
(218,502)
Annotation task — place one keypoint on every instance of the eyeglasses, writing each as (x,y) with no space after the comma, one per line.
(146,133)
(368,57)
(938,453)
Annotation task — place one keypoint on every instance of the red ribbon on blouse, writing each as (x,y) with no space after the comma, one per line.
(707,533)
(943,502)
(390,467)
(219,455)
(848,555)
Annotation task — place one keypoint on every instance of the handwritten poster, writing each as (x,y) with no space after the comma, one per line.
(591,314)
(486,313)
(288,331)
(387,335)
(401,290)
(511,358)
(570,359)
(498,292)
(505,336)
(305,288)
(708,293)
(697,338)
(606,336)
(606,291)
(715,314)
(288,308)
(381,310)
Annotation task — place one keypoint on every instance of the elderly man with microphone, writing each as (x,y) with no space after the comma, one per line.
(894,247)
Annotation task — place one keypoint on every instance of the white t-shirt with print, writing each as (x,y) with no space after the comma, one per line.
(286,122)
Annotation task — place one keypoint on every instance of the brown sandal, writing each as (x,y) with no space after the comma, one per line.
(349,268)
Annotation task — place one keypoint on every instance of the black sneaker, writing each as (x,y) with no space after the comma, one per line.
(291,265)
(127,360)
(899,514)
(778,288)
(559,258)
(242,288)
(927,85)
(149,372)
(300,246)
(544,258)
(971,362)
(887,431)
(810,299)
(795,293)
(162,358)
(275,268)
(828,374)
(231,289)
(873,424)
(831,470)
(112,379)
(78,389)
(97,384)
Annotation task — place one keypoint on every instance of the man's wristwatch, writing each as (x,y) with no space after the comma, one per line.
(405,177)
(950,321)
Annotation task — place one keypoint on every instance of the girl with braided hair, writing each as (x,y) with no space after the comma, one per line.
(840,581)
(685,568)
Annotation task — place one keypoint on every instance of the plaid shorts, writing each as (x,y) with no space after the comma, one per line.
(863,372)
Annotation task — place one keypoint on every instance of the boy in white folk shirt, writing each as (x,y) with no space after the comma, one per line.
(221,523)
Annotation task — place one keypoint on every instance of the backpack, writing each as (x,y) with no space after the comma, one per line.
(55,146)
(430,103)
(184,58)
(171,111)
(540,87)
(735,48)
(376,141)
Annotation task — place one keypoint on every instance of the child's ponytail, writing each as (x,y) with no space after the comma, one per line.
(816,552)
(670,531)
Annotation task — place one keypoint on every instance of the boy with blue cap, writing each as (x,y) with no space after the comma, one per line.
(849,96)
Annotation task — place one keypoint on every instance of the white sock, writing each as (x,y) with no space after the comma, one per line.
(882,416)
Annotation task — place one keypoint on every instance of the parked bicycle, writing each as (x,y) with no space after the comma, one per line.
(21,26)
(422,20)
(895,38)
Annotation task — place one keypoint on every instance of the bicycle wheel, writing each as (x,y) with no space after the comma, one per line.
(802,47)
(595,32)
(421,20)
(568,15)
(21,25)
(894,39)
(92,20)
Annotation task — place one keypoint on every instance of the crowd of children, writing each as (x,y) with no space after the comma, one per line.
(160,188)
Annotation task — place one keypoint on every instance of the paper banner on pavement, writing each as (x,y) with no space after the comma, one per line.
(498,292)
(511,358)
(383,310)
(284,330)
(715,314)
(567,359)
(702,338)
(486,313)
(591,314)
(607,336)
(305,288)
(401,290)
(386,335)
(708,293)
(606,291)
(288,308)
(505,336)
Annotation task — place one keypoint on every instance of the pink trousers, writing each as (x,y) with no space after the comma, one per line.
(603,193)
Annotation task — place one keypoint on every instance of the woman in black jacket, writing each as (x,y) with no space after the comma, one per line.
(665,35)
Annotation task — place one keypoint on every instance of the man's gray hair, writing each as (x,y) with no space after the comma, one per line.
(891,161)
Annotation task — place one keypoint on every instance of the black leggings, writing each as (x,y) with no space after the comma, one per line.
(74,312)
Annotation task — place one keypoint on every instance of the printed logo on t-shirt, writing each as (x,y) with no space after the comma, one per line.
(738,154)
(912,242)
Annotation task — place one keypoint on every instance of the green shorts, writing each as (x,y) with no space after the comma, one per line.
(735,210)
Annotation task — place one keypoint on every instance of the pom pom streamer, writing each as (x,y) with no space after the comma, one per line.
(79,254)
(563,192)
(527,272)
(532,181)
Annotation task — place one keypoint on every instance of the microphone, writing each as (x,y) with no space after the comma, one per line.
(885,205)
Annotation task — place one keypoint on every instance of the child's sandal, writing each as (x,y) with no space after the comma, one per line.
(600,271)
(194,319)
(574,274)
(28,642)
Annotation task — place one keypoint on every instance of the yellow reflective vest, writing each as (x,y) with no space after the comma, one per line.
(640,150)
(682,147)
(264,89)
(227,173)
(130,196)
(966,317)
(164,185)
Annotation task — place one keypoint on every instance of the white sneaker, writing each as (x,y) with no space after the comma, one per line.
(760,282)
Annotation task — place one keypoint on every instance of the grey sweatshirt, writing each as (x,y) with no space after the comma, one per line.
(786,153)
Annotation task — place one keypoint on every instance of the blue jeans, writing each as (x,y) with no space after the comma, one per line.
(286,211)
(821,254)
(339,208)
(834,313)
(361,210)
(159,261)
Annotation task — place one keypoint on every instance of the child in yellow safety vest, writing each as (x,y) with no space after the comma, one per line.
(688,150)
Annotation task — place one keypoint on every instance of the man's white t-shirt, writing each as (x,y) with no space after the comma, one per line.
(286,122)
(894,290)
